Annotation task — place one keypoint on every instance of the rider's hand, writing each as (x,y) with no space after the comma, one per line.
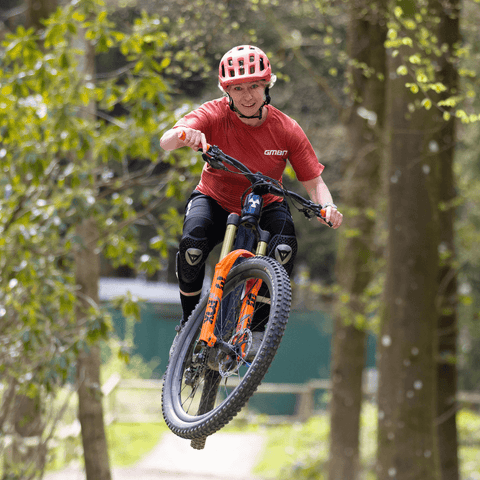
(332,215)
(192,138)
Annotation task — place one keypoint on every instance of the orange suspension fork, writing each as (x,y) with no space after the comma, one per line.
(252,287)
(216,293)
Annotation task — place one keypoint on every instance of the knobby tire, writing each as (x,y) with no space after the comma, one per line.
(207,403)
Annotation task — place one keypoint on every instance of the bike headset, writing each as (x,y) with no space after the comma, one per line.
(242,64)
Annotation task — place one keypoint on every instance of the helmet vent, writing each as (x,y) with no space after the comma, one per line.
(246,62)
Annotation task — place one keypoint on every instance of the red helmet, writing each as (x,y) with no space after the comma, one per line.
(244,63)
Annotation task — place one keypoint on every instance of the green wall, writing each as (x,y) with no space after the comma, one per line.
(304,353)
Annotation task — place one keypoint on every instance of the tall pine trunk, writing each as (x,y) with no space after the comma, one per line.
(356,255)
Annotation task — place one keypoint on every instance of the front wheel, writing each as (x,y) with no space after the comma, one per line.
(205,387)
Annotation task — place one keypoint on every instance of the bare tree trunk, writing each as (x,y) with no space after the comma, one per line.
(447,305)
(90,409)
(87,263)
(407,433)
(447,406)
(407,390)
(356,255)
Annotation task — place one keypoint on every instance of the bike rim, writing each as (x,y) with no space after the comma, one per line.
(186,393)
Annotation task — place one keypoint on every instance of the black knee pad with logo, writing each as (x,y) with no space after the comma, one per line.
(191,258)
(283,248)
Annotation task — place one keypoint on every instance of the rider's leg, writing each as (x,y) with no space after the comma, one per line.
(277,219)
(203,228)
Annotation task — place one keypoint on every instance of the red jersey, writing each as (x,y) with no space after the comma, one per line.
(265,148)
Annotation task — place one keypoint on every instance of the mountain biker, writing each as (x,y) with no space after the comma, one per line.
(244,125)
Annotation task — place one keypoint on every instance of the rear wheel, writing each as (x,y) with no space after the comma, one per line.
(205,387)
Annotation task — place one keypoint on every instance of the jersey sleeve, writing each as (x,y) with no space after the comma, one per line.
(302,156)
(201,118)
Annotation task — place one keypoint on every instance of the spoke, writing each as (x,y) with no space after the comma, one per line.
(189,398)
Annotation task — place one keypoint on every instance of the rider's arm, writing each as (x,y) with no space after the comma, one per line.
(193,138)
(319,193)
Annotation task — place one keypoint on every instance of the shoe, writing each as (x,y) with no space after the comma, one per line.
(257,338)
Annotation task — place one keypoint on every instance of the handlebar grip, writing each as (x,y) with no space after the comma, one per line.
(182,136)
(323,213)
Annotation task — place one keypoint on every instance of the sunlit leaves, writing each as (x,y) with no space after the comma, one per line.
(413,37)
(62,163)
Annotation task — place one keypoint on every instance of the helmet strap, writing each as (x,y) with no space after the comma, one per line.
(259,115)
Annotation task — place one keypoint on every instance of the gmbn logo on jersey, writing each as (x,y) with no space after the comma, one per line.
(275,152)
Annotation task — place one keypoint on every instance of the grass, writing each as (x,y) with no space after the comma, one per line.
(292,451)
(128,443)
(301,451)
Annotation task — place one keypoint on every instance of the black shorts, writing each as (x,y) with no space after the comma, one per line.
(204,228)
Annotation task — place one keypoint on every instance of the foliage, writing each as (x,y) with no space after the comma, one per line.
(413,36)
(63,163)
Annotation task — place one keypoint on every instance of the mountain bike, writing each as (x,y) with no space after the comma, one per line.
(224,350)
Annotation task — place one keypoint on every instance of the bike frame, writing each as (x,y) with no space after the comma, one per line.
(250,215)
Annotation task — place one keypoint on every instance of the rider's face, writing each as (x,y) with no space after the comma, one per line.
(247,97)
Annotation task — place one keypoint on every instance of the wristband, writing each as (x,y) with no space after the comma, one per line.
(330,205)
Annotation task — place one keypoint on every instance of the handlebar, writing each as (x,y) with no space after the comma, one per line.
(261,184)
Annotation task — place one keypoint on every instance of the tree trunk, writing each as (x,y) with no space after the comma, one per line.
(90,409)
(407,346)
(355,259)
(87,263)
(407,440)
(447,295)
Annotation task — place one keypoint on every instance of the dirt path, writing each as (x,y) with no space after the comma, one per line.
(229,456)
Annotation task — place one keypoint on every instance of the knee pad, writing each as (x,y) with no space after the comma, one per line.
(191,257)
(283,248)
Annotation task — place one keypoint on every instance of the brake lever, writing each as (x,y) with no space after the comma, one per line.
(323,212)
(213,162)
(314,210)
